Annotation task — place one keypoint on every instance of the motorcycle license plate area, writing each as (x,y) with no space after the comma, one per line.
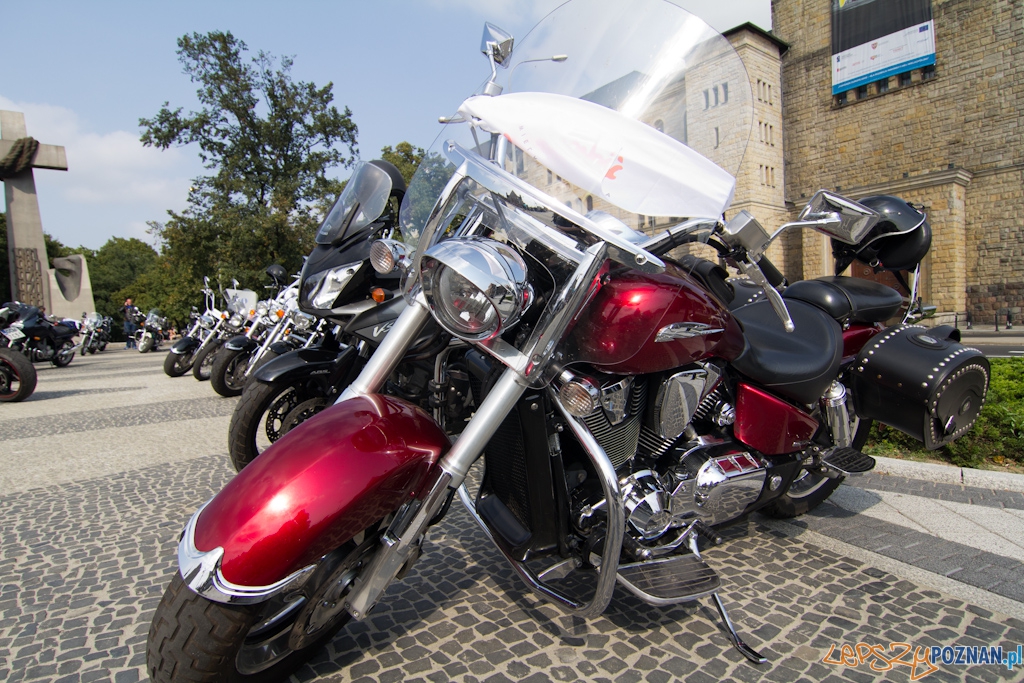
(13,333)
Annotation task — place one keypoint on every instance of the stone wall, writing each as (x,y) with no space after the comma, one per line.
(952,141)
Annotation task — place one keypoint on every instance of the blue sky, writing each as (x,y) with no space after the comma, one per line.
(84,73)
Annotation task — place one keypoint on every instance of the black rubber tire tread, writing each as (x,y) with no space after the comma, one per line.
(26,375)
(247,420)
(219,372)
(176,365)
(57,359)
(200,373)
(785,507)
(195,640)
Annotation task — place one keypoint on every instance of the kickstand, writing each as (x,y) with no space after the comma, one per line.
(747,651)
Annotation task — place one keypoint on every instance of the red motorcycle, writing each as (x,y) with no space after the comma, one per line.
(620,409)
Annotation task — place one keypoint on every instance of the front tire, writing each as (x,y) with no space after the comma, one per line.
(146,344)
(811,489)
(195,640)
(203,363)
(17,377)
(227,376)
(264,414)
(177,364)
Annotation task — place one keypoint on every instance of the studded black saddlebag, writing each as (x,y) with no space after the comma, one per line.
(921,381)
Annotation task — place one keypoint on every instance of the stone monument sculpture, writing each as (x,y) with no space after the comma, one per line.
(64,290)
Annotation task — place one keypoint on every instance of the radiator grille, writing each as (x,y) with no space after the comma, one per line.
(505,460)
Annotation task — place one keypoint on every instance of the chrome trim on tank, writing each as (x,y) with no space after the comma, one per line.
(685,331)
(201,571)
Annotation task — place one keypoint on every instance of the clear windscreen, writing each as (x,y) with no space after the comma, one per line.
(659,95)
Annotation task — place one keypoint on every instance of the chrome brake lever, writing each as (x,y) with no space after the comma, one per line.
(752,271)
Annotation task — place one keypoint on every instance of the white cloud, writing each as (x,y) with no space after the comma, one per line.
(113,184)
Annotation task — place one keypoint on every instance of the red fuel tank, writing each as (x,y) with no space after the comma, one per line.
(640,323)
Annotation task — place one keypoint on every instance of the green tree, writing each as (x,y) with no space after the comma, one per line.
(114,269)
(269,143)
(405,157)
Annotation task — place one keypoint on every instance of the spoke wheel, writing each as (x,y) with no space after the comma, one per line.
(203,363)
(259,419)
(227,376)
(177,364)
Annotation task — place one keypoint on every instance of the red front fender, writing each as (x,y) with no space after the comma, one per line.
(318,486)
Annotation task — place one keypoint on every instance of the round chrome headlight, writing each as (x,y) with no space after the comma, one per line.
(207,321)
(302,321)
(475,287)
(261,309)
(236,320)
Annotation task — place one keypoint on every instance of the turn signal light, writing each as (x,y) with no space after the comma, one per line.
(580,396)
(378,295)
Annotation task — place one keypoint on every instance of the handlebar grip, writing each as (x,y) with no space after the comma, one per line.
(771,273)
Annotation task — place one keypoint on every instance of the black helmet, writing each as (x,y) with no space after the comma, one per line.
(899,241)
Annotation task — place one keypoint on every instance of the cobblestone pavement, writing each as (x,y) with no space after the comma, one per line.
(127,454)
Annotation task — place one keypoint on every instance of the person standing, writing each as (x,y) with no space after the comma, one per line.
(128,312)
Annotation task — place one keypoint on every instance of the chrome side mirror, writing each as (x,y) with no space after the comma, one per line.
(837,217)
(496,43)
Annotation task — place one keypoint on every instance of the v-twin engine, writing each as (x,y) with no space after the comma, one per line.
(712,481)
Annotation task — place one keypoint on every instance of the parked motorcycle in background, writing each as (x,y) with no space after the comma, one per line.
(234,319)
(356,307)
(150,332)
(26,329)
(621,410)
(277,326)
(95,333)
(17,376)
(180,358)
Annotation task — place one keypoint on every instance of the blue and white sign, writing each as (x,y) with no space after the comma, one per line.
(875,39)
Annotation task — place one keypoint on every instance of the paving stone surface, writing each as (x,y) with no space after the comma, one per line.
(83,564)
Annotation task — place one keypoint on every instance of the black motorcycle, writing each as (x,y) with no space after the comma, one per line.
(337,282)
(27,330)
(150,332)
(17,376)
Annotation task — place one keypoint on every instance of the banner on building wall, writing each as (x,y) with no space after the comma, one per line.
(875,39)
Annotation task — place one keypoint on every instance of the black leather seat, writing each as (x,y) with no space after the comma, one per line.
(799,365)
(848,298)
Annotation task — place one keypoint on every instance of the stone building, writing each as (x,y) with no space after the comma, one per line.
(947,136)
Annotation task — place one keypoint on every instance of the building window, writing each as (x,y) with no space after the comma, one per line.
(725,93)
(904,79)
(862,92)
(520,162)
(590,203)
(928,72)
(882,86)
(707,100)
(717,140)
(550,178)
(639,222)
(841,99)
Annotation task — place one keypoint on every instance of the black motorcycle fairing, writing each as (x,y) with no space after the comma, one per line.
(241,343)
(325,366)
(372,325)
(798,365)
(280,348)
(185,345)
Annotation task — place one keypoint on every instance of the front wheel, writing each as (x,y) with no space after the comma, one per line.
(264,414)
(17,376)
(177,364)
(193,639)
(810,489)
(227,376)
(146,344)
(203,363)
(64,354)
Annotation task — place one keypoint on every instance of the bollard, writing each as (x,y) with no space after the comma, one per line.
(1009,320)
(969,320)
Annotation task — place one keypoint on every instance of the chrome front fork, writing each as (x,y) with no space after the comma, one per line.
(402,540)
